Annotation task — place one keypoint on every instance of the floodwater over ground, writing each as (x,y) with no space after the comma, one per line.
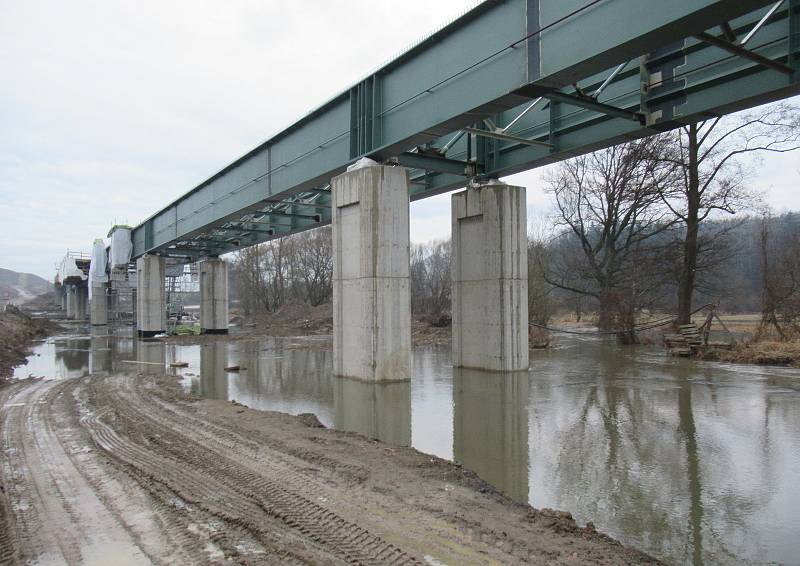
(693,462)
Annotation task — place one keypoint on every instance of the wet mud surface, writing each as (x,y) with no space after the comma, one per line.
(131,469)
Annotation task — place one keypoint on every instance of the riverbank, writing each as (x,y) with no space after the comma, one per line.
(297,319)
(133,467)
(18,330)
(767,352)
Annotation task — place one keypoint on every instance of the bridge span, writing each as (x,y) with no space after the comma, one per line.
(509,86)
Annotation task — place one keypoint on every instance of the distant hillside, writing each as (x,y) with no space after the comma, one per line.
(21,287)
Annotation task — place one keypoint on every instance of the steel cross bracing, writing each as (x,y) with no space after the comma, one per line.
(509,86)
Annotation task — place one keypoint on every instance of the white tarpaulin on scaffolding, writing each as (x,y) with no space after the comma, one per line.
(121,248)
(70,270)
(97,268)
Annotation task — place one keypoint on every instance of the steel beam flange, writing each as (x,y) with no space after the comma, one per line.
(431,162)
(499,135)
(744,53)
(591,104)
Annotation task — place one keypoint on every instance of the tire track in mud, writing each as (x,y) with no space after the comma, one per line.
(9,549)
(271,453)
(28,531)
(57,515)
(225,488)
(300,470)
(163,534)
(164,401)
(157,473)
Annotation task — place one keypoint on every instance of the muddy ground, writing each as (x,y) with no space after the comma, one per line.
(130,469)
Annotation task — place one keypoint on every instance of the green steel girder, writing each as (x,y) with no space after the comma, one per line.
(591,104)
(743,52)
(489,64)
(438,164)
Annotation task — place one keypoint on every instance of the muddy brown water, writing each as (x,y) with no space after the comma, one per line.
(693,462)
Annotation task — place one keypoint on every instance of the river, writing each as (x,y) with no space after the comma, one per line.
(693,462)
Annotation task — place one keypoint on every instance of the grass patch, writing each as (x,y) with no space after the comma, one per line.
(764,352)
(186,330)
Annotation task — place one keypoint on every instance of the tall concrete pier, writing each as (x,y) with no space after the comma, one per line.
(98,305)
(371,300)
(213,296)
(82,299)
(151,309)
(76,298)
(490,278)
(70,301)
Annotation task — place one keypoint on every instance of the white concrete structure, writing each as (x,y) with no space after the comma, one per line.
(76,298)
(151,309)
(82,300)
(71,301)
(371,301)
(98,306)
(490,278)
(213,297)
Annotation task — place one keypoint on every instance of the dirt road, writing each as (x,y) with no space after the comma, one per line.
(130,470)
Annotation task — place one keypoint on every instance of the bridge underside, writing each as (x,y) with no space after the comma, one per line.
(510,86)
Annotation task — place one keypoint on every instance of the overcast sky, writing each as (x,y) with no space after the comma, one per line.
(109,110)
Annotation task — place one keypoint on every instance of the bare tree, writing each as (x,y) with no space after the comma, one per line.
(314,263)
(293,268)
(251,279)
(540,304)
(711,177)
(609,202)
(780,276)
(430,278)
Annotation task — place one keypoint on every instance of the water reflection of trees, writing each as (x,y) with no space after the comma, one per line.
(490,427)
(636,458)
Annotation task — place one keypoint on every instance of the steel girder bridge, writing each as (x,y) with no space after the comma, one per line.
(509,86)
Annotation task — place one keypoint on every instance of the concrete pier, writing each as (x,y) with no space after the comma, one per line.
(76,299)
(371,300)
(82,302)
(490,278)
(213,297)
(151,309)
(98,306)
(70,301)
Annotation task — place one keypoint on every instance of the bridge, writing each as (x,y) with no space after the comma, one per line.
(509,86)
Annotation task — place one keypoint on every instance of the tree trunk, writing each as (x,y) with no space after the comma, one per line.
(606,315)
(686,278)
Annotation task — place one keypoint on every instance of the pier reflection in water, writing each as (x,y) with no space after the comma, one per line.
(693,462)
(490,427)
(100,352)
(377,410)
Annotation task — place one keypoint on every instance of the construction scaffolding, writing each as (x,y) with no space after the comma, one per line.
(122,295)
(183,291)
